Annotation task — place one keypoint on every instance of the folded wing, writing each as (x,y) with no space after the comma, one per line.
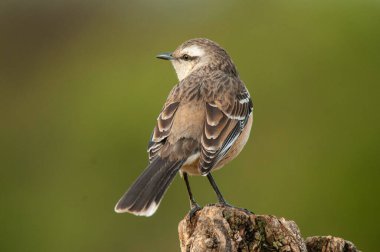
(162,129)
(224,123)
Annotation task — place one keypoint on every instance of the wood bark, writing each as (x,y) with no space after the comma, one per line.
(223,228)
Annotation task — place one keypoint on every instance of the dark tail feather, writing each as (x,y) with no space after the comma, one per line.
(144,196)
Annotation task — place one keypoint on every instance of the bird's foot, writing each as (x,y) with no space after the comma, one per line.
(249,212)
(225,204)
(194,209)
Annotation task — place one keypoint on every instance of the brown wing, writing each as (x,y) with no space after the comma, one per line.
(162,129)
(223,125)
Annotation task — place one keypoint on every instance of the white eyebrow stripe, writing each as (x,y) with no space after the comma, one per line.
(194,51)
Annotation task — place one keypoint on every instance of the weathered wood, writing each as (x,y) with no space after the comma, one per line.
(223,228)
(329,243)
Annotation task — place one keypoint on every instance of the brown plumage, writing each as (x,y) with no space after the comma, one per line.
(204,124)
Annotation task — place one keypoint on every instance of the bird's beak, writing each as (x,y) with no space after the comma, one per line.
(165,56)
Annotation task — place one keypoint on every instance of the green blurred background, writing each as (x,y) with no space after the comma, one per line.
(80,90)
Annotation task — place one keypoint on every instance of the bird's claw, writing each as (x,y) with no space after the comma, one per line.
(225,204)
(194,209)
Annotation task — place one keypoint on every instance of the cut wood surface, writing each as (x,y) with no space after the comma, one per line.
(224,228)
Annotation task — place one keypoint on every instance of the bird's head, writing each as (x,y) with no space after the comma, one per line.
(199,53)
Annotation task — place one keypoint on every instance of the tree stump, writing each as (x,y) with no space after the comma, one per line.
(223,228)
(329,243)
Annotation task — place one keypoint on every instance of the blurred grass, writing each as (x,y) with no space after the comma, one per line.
(80,90)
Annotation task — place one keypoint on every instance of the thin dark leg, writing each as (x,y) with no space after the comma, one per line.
(220,196)
(192,201)
(194,206)
(216,189)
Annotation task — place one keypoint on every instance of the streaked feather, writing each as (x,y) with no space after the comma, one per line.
(162,129)
(225,120)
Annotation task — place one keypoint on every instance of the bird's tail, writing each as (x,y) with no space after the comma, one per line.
(144,196)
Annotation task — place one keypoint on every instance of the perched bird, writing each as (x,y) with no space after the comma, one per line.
(203,125)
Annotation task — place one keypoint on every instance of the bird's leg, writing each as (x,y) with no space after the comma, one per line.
(216,189)
(194,206)
(220,196)
(192,201)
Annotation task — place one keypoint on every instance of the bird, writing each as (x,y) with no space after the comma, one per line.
(204,124)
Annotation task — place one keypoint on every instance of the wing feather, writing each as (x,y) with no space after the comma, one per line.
(223,125)
(162,129)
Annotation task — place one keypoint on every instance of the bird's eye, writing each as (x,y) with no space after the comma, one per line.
(186,57)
